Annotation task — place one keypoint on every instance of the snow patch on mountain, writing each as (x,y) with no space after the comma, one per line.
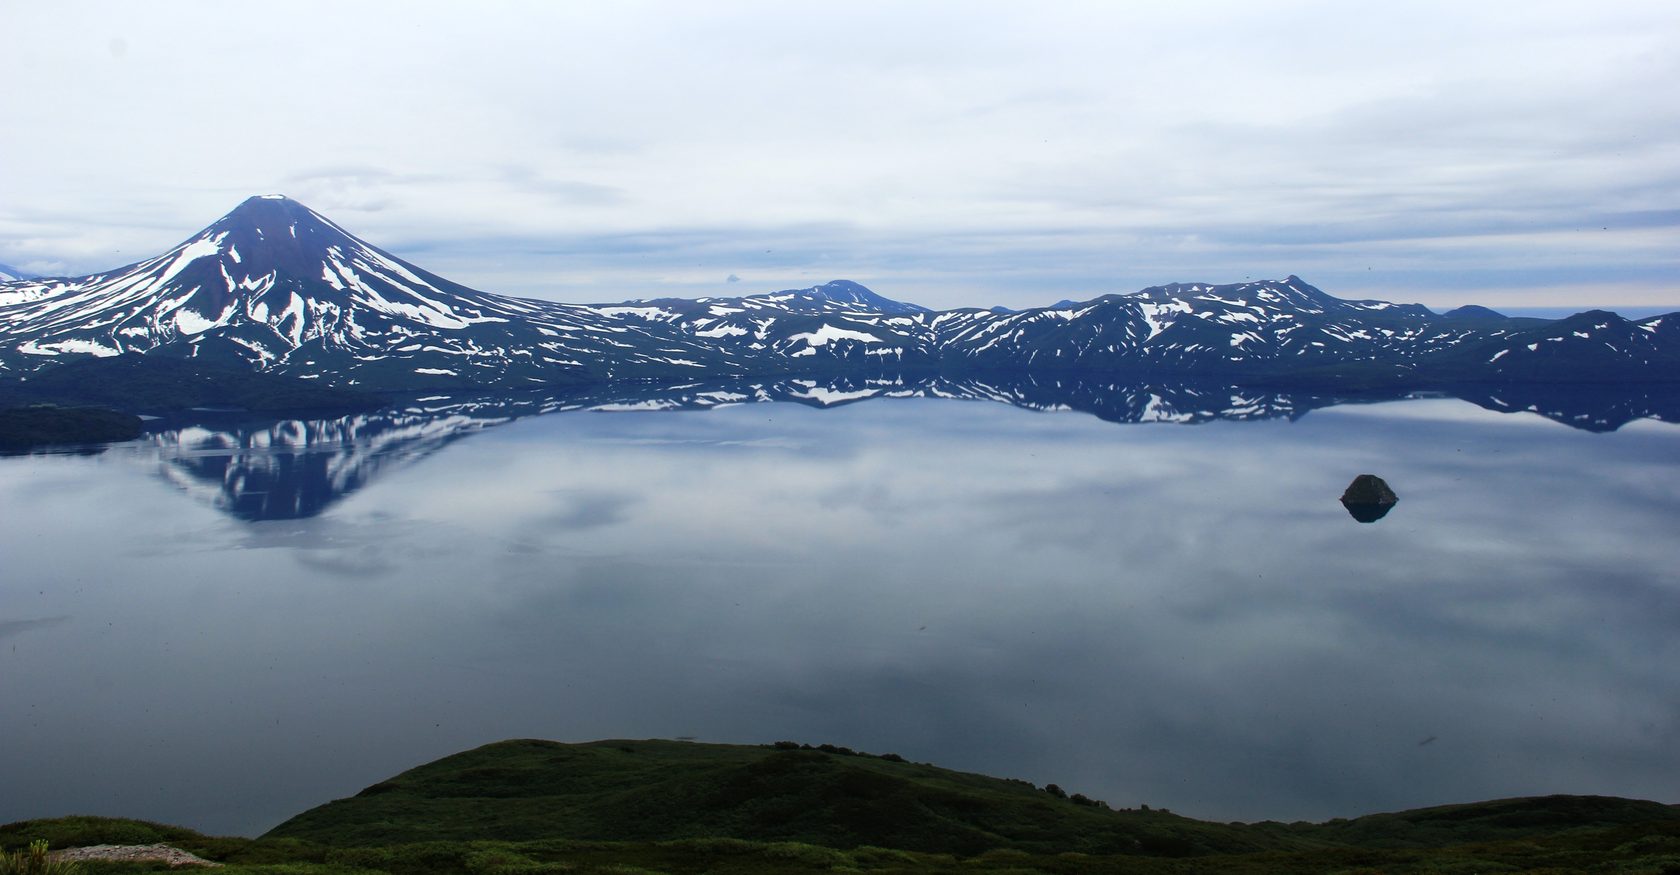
(829,333)
(288,290)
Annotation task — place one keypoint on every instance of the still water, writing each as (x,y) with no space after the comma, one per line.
(222,625)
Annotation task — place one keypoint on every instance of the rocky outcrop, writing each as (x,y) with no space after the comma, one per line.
(1368,498)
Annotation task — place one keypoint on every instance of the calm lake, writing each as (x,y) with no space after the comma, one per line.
(223,624)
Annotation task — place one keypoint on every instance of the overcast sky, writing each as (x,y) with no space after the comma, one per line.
(951,154)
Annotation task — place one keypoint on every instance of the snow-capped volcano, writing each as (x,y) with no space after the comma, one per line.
(282,288)
(276,262)
(272,265)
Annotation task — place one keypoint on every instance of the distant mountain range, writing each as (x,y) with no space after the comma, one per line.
(9,273)
(281,288)
(296,466)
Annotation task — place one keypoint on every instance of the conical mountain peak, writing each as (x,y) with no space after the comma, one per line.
(279,238)
(848,292)
(266,207)
(268,277)
(284,288)
(275,218)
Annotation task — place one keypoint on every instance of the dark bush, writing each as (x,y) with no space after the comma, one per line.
(1055,791)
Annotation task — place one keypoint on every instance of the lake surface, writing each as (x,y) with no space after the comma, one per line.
(220,626)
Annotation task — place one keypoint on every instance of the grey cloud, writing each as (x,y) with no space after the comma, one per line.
(10,628)
(529,180)
(1031,156)
(358,188)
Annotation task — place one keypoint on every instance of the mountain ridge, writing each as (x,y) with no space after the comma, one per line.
(9,274)
(281,288)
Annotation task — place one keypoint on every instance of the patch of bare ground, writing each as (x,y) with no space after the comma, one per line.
(175,857)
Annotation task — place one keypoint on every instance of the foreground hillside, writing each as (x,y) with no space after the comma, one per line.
(654,790)
(656,806)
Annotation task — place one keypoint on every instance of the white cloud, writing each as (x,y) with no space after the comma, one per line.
(964,153)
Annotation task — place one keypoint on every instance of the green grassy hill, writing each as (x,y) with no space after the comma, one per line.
(1498,820)
(662,790)
(631,807)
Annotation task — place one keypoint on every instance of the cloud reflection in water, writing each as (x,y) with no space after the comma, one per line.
(1183,616)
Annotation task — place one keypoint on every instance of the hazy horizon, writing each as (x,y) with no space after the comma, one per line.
(1556,311)
(954,155)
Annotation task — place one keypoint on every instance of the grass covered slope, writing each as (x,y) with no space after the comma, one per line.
(629,807)
(64,832)
(663,790)
(25,427)
(95,400)
(139,383)
(1497,820)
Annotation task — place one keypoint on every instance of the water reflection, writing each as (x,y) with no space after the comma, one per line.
(293,469)
(1172,616)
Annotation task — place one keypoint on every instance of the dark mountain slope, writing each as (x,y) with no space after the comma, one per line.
(161,383)
(278,287)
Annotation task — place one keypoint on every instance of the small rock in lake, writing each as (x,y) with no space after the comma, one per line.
(1368,498)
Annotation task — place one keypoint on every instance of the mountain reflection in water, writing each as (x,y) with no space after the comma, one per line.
(1178,616)
(293,468)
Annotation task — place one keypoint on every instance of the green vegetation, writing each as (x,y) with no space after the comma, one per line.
(156,383)
(661,790)
(26,427)
(670,807)
(33,861)
(92,400)
(70,832)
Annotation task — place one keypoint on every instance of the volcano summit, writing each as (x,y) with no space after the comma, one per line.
(282,288)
